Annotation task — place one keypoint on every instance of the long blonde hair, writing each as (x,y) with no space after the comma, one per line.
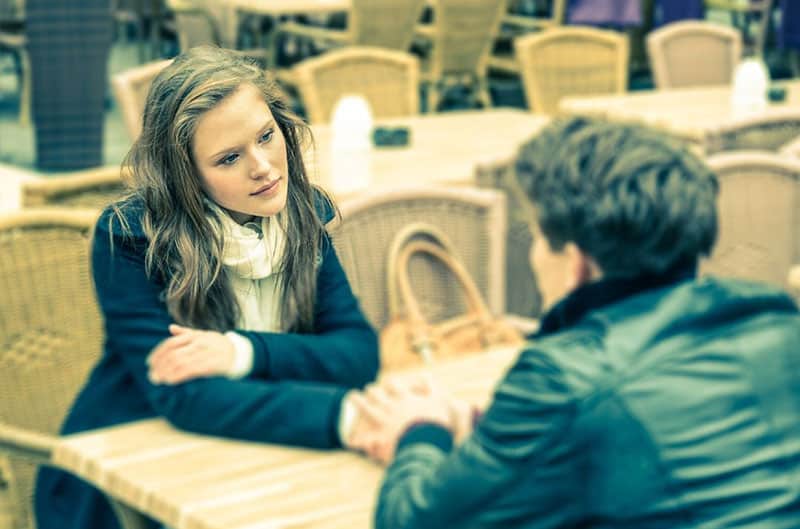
(183,246)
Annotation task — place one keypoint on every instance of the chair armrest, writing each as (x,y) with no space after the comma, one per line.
(35,192)
(313,32)
(426,31)
(27,444)
(521,323)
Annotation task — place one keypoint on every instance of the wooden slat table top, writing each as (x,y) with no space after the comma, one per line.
(687,113)
(190,481)
(444,148)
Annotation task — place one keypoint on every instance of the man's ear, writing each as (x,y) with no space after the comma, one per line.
(581,267)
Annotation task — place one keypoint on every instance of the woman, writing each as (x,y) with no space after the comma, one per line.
(226,309)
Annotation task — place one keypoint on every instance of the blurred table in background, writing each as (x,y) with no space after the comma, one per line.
(444,148)
(189,481)
(687,113)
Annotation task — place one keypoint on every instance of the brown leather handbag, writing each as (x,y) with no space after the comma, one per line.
(409,339)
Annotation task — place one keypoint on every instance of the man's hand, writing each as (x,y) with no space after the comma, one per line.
(390,409)
(188,354)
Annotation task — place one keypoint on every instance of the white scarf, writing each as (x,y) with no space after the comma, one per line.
(253,254)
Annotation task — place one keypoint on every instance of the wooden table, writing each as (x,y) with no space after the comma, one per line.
(445,148)
(687,113)
(189,481)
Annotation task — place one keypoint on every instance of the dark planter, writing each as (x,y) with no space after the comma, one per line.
(68,43)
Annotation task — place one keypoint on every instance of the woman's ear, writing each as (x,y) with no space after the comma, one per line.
(581,267)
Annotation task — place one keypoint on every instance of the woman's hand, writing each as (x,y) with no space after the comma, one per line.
(188,354)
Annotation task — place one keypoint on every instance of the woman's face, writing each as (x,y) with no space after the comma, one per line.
(240,154)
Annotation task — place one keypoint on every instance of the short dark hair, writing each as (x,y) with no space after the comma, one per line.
(635,200)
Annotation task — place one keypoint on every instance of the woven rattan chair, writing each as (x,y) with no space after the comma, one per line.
(474,220)
(92,188)
(130,90)
(378,23)
(50,335)
(674,57)
(514,25)
(571,60)
(522,293)
(388,80)
(766,132)
(457,47)
(759,216)
(792,148)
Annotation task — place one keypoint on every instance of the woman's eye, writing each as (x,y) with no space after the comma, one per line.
(266,136)
(229,159)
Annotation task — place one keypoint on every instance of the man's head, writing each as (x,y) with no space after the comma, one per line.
(616,200)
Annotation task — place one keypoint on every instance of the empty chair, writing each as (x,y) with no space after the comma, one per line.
(766,132)
(380,23)
(91,188)
(130,89)
(387,79)
(759,216)
(51,334)
(457,46)
(571,60)
(693,53)
(474,221)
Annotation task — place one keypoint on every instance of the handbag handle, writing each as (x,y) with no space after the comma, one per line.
(401,239)
(477,312)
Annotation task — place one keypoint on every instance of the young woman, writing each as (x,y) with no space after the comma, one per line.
(226,309)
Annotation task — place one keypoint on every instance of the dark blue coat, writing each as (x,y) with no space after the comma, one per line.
(292,396)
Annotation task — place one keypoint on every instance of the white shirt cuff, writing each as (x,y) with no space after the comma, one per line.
(243,356)
(347,419)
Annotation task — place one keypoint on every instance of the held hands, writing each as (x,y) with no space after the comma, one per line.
(388,409)
(188,354)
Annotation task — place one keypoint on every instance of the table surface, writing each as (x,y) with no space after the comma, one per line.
(444,148)
(687,113)
(190,481)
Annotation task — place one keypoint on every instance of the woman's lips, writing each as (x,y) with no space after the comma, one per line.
(267,189)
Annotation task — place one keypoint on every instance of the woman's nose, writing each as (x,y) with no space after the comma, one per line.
(260,165)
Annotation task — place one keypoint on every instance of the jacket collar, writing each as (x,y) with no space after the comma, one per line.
(586,298)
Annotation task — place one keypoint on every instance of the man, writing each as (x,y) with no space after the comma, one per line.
(649,399)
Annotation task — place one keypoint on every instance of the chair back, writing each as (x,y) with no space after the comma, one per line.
(767,132)
(759,216)
(194,24)
(676,62)
(472,219)
(388,80)
(50,326)
(384,23)
(92,188)
(463,36)
(130,89)
(570,60)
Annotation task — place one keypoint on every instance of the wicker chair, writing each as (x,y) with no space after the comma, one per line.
(742,14)
(759,216)
(92,188)
(522,293)
(792,148)
(514,25)
(130,90)
(50,335)
(379,23)
(766,132)
(473,219)
(571,60)
(387,79)
(676,62)
(457,46)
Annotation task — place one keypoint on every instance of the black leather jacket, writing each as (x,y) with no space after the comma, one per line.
(638,407)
